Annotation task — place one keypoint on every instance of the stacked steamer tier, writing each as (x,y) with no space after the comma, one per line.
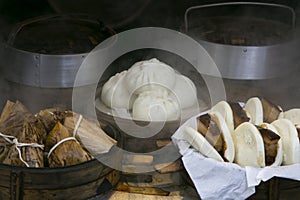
(251,43)
(245,39)
(68,170)
(151,163)
(42,57)
(256,127)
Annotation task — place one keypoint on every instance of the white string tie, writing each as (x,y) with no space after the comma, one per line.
(14,141)
(68,138)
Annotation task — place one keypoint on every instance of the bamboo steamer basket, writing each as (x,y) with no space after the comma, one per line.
(143,164)
(80,181)
(273,189)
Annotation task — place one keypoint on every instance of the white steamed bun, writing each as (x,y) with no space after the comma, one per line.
(155,105)
(149,75)
(114,92)
(184,91)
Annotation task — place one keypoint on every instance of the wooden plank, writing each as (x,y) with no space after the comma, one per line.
(5,173)
(133,169)
(75,193)
(176,193)
(4,193)
(132,159)
(118,195)
(162,143)
(91,189)
(273,188)
(140,145)
(15,184)
(137,178)
(113,177)
(51,179)
(160,180)
(141,190)
(169,167)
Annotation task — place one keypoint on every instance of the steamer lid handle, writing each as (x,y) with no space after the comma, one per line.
(186,14)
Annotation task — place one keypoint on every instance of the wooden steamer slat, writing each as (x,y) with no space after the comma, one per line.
(79,192)
(159,174)
(273,188)
(118,195)
(162,143)
(133,159)
(141,190)
(169,167)
(16,184)
(87,180)
(158,180)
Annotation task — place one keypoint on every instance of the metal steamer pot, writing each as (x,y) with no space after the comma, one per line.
(251,61)
(42,56)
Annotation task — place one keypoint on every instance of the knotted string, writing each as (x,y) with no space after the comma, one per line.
(13,140)
(68,138)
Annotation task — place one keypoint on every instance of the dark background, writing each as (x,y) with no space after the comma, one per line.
(128,13)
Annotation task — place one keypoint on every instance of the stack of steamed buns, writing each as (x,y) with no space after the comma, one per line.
(151,90)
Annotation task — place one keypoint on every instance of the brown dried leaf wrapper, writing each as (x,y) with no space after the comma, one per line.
(33,156)
(49,117)
(67,153)
(13,117)
(89,134)
(5,147)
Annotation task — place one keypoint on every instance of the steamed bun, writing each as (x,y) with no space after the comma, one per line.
(149,75)
(185,91)
(151,90)
(155,105)
(114,92)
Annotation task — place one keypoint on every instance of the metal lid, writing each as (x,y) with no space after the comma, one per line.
(47,51)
